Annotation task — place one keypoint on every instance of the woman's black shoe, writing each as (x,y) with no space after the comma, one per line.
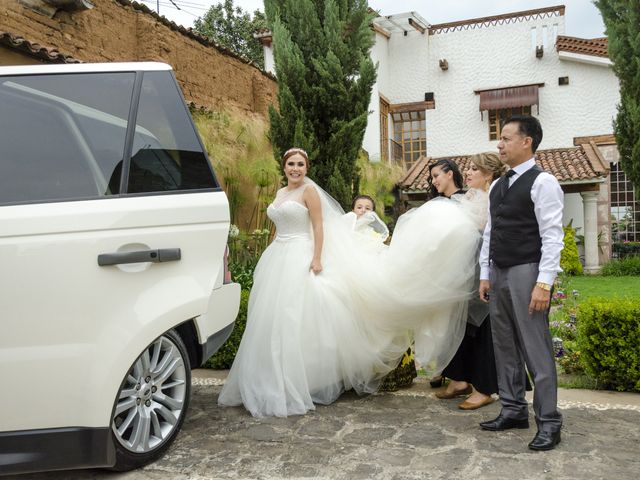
(436,382)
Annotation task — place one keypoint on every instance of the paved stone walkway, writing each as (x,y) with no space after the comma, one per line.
(408,434)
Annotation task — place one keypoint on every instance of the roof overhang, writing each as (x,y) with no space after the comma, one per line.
(582,58)
(402,23)
(509,97)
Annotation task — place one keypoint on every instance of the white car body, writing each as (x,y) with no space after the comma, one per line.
(71,328)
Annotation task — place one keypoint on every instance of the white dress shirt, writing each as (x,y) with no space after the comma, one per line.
(548,203)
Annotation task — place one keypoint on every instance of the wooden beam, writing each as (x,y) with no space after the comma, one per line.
(606,139)
(411,107)
(378,29)
(416,25)
(580,187)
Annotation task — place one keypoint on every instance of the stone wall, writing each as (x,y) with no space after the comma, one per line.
(119,30)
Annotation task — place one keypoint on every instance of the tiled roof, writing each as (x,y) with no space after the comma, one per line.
(597,47)
(581,163)
(49,55)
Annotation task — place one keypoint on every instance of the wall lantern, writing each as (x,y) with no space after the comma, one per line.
(539,51)
(444,65)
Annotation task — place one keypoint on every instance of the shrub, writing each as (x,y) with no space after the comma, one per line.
(608,339)
(223,358)
(622,267)
(569,258)
(624,249)
(378,180)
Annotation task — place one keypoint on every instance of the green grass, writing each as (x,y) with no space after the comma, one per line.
(590,286)
(566,380)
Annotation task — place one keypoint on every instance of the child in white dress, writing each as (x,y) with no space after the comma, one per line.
(369,228)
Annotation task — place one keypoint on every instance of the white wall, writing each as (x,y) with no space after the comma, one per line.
(380,57)
(485,58)
(573,210)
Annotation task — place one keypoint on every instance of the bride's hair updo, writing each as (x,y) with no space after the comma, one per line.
(293,151)
(489,162)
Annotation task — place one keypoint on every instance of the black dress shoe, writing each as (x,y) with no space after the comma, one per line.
(545,440)
(503,423)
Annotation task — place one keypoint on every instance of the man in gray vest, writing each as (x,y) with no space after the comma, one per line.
(519,261)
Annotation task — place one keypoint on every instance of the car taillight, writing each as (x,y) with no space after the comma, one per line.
(227,273)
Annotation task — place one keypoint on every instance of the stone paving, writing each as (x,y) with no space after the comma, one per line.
(407,434)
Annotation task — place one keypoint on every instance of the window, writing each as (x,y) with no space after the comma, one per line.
(625,210)
(384,130)
(62,137)
(166,155)
(498,117)
(410,131)
(59,140)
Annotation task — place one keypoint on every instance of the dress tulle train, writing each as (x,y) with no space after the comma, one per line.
(310,337)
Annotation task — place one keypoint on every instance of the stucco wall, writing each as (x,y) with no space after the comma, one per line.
(114,31)
(494,57)
(380,58)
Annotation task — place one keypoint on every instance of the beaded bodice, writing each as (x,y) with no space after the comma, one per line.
(289,214)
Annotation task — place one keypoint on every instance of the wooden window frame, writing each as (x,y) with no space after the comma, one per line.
(414,124)
(498,117)
(623,196)
(384,129)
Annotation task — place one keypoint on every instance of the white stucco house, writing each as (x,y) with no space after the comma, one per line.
(442,91)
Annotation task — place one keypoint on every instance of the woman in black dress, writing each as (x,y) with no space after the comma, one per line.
(472,370)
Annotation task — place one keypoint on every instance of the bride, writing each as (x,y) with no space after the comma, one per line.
(326,315)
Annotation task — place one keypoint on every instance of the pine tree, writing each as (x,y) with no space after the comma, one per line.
(622,22)
(232,27)
(325,76)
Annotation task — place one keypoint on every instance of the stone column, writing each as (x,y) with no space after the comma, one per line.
(590,206)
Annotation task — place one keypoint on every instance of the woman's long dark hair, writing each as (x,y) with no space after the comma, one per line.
(446,165)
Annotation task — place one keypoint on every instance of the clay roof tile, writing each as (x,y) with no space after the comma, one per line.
(566,164)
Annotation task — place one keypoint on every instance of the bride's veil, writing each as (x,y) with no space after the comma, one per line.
(418,286)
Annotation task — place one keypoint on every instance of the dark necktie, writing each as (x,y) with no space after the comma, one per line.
(504,187)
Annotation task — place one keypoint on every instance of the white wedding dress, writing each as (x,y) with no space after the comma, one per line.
(310,337)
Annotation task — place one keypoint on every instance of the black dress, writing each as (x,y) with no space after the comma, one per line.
(474,361)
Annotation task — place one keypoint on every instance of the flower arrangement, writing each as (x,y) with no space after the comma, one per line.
(403,374)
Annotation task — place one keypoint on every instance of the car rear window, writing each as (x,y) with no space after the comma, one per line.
(63,137)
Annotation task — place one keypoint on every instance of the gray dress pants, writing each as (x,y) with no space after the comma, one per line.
(521,339)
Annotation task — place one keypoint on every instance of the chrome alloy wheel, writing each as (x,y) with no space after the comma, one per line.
(152,398)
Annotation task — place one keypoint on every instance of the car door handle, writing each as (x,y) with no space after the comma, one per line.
(155,256)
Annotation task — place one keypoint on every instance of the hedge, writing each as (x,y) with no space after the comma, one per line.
(622,267)
(609,342)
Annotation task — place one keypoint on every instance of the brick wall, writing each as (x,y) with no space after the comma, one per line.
(118,30)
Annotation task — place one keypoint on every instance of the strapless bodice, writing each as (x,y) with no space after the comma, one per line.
(291,219)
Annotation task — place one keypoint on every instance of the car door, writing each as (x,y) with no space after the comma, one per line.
(96,165)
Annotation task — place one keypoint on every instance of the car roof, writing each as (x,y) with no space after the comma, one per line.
(83,68)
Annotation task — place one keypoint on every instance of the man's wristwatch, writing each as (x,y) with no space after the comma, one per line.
(543,286)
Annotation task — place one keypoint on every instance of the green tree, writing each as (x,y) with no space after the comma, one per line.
(622,22)
(325,76)
(233,28)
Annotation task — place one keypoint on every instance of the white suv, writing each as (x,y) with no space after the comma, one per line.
(113,280)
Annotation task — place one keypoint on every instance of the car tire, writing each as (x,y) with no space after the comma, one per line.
(151,403)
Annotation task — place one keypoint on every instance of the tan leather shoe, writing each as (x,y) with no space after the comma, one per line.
(444,395)
(467,405)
